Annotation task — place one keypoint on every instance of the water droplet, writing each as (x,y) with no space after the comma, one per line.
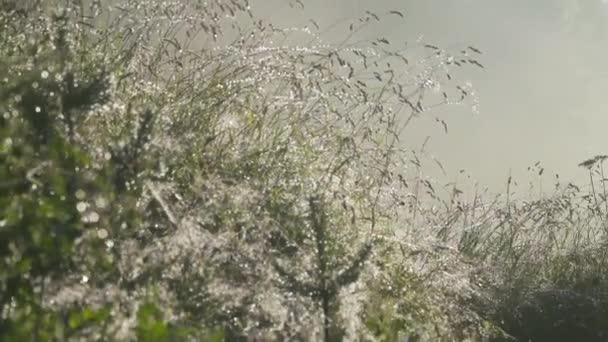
(44,74)
(80,194)
(102,233)
(37,109)
(81,207)
(93,217)
(101,202)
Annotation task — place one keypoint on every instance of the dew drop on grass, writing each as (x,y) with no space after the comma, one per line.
(101,202)
(93,217)
(81,207)
(102,233)
(80,194)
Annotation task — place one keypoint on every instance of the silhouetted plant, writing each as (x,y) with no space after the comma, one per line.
(332,272)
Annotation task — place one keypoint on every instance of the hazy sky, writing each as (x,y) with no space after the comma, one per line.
(544,90)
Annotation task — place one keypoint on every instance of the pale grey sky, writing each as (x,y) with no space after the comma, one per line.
(544,90)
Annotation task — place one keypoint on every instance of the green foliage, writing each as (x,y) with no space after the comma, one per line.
(49,184)
(83,316)
(260,190)
(150,324)
(402,305)
(41,173)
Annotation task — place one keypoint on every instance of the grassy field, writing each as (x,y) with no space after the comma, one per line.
(180,170)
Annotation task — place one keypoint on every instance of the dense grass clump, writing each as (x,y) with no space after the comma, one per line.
(541,263)
(181,170)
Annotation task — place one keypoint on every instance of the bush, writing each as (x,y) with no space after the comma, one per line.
(154,187)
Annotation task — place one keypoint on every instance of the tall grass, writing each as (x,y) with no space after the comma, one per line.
(275,200)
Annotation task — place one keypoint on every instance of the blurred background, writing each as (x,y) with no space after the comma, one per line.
(542,93)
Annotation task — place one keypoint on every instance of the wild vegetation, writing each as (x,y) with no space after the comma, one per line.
(181,170)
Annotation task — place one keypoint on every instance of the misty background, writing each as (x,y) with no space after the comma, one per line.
(542,93)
